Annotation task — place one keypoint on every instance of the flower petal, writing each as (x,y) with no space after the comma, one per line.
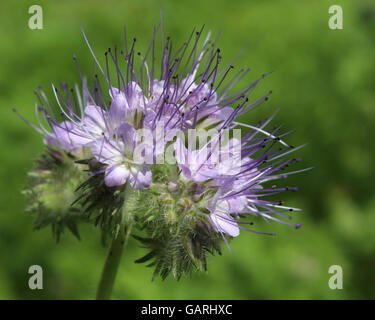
(224,223)
(94,119)
(119,105)
(140,177)
(61,136)
(106,151)
(127,134)
(116,175)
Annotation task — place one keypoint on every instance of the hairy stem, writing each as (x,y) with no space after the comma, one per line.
(112,262)
(111,266)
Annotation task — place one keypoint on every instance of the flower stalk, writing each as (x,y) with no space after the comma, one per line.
(115,251)
(111,266)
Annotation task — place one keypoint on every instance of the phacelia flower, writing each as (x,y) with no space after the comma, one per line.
(166,131)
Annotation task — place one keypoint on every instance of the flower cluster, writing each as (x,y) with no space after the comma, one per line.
(166,138)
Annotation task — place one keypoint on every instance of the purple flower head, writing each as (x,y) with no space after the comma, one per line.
(219,185)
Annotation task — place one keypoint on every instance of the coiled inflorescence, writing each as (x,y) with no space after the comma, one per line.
(165,156)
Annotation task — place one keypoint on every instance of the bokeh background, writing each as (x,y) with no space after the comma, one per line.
(324,83)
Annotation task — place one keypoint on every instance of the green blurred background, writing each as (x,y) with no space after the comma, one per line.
(324,82)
